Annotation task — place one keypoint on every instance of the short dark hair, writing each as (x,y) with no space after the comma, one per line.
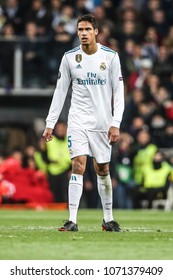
(90,18)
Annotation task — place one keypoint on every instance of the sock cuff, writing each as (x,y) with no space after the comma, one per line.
(101,179)
(76,178)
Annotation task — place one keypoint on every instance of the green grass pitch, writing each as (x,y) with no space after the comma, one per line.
(33,235)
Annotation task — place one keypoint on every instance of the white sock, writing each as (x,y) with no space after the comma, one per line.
(74,194)
(104,185)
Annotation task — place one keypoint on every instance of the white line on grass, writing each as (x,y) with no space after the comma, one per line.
(46,228)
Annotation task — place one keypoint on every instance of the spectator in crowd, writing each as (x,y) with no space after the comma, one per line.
(57,164)
(168,136)
(61,42)
(14,13)
(131,59)
(2,19)
(149,48)
(39,14)
(81,8)
(105,36)
(168,41)
(68,18)
(145,111)
(138,79)
(109,7)
(156,179)
(144,151)
(151,86)
(137,97)
(137,124)
(55,12)
(157,128)
(151,7)
(40,156)
(34,58)
(100,15)
(126,4)
(122,162)
(5,189)
(128,30)
(163,64)
(12,136)
(162,101)
(7,56)
(159,22)
(35,176)
(23,184)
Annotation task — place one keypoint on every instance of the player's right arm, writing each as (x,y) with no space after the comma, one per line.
(60,93)
(47,134)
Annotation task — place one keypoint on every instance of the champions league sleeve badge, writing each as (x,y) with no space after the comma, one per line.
(78,58)
(59,75)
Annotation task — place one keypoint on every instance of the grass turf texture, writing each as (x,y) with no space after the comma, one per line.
(33,235)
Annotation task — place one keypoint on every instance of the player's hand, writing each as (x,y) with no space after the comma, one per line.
(113,135)
(47,134)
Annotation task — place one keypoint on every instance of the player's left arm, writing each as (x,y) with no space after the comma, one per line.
(118,99)
(113,134)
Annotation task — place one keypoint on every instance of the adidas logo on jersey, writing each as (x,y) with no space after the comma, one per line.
(78,66)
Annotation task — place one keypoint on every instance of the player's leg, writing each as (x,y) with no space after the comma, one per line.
(101,151)
(76,186)
(74,192)
(78,148)
(104,184)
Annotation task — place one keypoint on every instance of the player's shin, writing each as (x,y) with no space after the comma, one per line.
(74,193)
(104,185)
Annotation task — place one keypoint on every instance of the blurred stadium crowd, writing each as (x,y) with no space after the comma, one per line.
(141,31)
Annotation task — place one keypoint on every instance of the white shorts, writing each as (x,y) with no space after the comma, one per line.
(91,143)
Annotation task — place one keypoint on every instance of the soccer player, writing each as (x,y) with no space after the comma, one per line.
(94,118)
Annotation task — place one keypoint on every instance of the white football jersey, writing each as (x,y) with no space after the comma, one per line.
(97,90)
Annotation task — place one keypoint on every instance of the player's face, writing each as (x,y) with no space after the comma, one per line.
(86,32)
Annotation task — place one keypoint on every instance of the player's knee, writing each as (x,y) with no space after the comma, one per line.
(102,171)
(78,168)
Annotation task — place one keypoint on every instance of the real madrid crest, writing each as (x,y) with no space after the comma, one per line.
(102,66)
(78,58)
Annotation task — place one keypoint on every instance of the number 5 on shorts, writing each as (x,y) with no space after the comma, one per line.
(69,142)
